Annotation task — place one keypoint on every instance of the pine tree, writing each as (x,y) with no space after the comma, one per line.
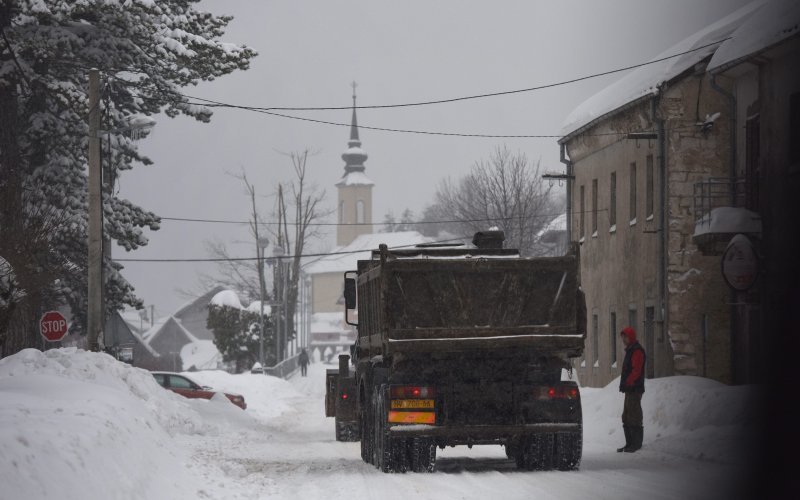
(237,335)
(146,51)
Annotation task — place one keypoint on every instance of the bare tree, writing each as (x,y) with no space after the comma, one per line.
(305,200)
(505,191)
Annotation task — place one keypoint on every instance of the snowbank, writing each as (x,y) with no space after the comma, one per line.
(689,417)
(201,354)
(74,422)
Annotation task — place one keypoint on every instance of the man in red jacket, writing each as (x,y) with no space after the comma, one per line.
(631,383)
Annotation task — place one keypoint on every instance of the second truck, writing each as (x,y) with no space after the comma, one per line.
(462,346)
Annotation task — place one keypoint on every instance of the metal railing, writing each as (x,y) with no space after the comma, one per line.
(716,192)
(284,368)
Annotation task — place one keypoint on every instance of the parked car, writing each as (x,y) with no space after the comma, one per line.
(187,387)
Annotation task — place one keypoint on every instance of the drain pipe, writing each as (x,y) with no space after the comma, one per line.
(568,163)
(734,299)
(662,219)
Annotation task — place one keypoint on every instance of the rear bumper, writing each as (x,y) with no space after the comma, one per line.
(467,433)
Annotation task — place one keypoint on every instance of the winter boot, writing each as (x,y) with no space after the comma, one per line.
(628,441)
(637,436)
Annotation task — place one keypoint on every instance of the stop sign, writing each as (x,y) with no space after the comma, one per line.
(53,326)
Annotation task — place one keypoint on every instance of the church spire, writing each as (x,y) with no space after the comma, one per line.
(354,157)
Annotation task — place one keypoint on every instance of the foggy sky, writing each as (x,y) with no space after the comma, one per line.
(409,51)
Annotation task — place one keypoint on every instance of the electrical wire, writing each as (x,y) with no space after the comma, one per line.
(463,98)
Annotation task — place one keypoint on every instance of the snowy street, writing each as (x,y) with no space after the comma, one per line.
(82,425)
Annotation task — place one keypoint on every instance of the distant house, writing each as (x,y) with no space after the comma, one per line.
(553,238)
(636,153)
(118,337)
(170,336)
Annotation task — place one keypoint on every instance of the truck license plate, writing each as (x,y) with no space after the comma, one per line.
(412,403)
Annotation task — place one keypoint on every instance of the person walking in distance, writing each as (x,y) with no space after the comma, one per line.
(631,383)
(303,360)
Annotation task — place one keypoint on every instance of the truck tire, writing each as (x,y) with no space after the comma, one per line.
(423,455)
(365,426)
(387,450)
(569,449)
(538,452)
(345,431)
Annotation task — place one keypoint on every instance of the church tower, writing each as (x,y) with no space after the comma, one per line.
(355,189)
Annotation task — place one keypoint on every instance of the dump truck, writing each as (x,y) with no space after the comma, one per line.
(464,346)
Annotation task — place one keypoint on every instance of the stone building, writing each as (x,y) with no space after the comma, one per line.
(634,153)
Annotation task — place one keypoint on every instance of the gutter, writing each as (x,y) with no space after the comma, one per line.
(662,234)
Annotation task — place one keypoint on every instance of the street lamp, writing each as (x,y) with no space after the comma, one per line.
(262,244)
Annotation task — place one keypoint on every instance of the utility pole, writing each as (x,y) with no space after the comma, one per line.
(95,301)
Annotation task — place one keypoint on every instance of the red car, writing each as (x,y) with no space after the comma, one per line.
(187,387)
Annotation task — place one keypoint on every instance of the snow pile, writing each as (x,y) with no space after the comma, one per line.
(688,417)
(266,396)
(355,178)
(74,422)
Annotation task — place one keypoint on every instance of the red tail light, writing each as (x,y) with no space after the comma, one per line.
(344,396)
(557,392)
(411,392)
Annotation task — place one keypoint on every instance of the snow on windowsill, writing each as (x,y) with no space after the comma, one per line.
(614,364)
(594,234)
(597,364)
(583,364)
(649,217)
(632,222)
(583,238)
(612,229)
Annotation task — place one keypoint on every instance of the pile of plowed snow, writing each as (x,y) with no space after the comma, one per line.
(74,423)
(690,417)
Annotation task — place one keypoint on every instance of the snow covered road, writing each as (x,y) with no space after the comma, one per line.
(79,425)
(295,456)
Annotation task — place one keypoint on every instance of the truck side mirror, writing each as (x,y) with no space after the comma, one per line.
(350,293)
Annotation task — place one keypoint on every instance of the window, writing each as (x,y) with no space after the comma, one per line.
(612,208)
(633,193)
(180,382)
(341,211)
(649,187)
(360,212)
(583,215)
(594,207)
(632,318)
(595,342)
(612,333)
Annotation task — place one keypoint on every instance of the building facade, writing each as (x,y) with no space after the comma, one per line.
(634,154)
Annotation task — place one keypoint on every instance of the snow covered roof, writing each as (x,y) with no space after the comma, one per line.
(559,224)
(202,354)
(355,178)
(644,82)
(361,248)
(728,220)
(153,332)
(204,299)
(774,22)
(227,298)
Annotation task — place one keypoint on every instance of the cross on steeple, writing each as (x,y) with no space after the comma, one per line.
(354,85)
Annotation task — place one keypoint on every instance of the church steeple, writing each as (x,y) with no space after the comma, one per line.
(355,189)
(354,157)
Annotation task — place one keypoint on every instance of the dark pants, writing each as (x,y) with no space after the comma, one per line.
(632,411)
(304,370)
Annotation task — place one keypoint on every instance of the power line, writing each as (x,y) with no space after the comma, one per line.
(463,98)
(348,224)
(287,257)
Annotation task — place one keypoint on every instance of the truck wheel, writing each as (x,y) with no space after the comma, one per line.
(423,455)
(569,448)
(538,453)
(387,450)
(366,430)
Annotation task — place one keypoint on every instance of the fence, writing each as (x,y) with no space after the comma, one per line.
(284,368)
(716,192)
